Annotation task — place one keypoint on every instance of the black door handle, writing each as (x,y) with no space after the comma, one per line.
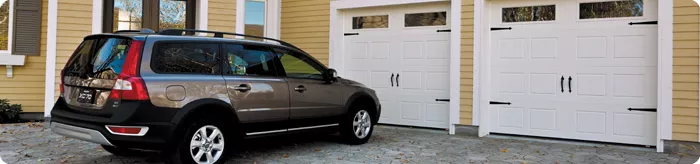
(445,100)
(392,80)
(570,84)
(397,79)
(242,88)
(498,103)
(300,88)
(642,109)
(562,84)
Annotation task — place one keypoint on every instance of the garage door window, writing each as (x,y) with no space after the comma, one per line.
(611,9)
(529,14)
(425,19)
(365,22)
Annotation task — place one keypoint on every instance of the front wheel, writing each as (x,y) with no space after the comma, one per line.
(357,127)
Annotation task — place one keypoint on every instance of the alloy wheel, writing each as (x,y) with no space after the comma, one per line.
(361,124)
(207,145)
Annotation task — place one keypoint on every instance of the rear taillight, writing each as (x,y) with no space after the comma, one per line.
(129,84)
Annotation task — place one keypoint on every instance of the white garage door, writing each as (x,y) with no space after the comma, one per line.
(575,70)
(399,52)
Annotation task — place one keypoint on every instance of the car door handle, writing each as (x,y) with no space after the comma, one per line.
(242,88)
(300,88)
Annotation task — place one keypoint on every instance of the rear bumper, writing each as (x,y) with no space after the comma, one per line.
(91,128)
(84,134)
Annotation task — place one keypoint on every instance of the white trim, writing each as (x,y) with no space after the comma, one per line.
(202,21)
(240,17)
(50,85)
(664,115)
(97,7)
(292,129)
(455,63)
(348,4)
(482,66)
(312,127)
(273,9)
(11,60)
(478,17)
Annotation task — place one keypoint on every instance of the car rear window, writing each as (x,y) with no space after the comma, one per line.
(98,58)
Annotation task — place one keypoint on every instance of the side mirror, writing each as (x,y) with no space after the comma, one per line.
(331,75)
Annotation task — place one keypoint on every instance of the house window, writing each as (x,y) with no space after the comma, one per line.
(5,28)
(255,17)
(611,9)
(529,14)
(151,14)
(128,15)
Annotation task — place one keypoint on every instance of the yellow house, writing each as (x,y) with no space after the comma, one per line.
(595,70)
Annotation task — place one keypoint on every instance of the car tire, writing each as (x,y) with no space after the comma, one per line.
(124,152)
(356,126)
(210,149)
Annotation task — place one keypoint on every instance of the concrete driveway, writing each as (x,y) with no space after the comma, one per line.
(33,143)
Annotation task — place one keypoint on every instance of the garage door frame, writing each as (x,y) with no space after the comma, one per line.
(337,41)
(665,66)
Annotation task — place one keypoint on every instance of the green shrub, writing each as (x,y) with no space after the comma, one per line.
(9,113)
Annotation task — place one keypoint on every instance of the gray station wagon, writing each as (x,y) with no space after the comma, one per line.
(194,94)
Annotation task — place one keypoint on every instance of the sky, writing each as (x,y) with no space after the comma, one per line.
(254,12)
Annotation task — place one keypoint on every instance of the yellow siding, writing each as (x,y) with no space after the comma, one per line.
(306,24)
(222,15)
(26,87)
(686,39)
(467,66)
(74,23)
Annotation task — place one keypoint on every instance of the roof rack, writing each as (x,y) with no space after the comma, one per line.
(218,34)
(145,31)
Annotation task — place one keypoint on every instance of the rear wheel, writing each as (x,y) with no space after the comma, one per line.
(203,142)
(356,128)
(124,152)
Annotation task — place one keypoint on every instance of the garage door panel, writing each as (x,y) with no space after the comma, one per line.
(591,47)
(544,83)
(408,66)
(607,67)
(544,48)
(543,119)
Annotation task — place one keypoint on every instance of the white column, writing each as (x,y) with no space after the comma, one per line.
(50,85)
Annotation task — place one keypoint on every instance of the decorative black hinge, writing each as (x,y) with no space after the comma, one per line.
(499,103)
(642,109)
(444,30)
(644,23)
(351,34)
(501,28)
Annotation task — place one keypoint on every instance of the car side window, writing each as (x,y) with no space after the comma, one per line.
(186,58)
(299,66)
(249,60)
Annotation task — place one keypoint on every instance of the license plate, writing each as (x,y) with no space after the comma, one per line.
(86,96)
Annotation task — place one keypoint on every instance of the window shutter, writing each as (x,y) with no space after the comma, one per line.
(26,31)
